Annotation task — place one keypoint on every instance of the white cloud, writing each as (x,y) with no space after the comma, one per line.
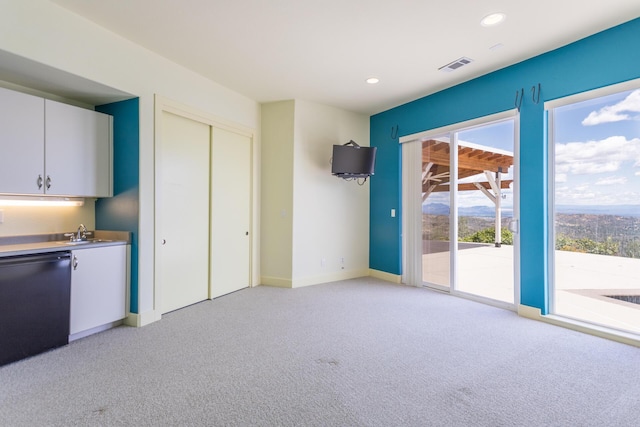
(591,157)
(612,180)
(561,177)
(573,196)
(614,113)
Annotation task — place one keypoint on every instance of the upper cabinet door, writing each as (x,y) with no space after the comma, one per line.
(21,143)
(78,151)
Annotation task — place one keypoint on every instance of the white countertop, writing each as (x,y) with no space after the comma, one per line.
(33,244)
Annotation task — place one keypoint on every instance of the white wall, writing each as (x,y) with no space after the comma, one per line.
(46,33)
(311,220)
(276,180)
(331,215)
(21,220)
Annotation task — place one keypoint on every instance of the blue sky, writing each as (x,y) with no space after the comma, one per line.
(597,151)
(496,135)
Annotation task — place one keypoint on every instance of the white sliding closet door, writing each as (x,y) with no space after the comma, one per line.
(183,212)
(230,211)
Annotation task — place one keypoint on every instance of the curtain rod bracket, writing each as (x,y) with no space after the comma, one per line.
(519,97)
(394,132)
(535,94)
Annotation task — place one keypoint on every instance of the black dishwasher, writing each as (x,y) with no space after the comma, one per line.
(35,295)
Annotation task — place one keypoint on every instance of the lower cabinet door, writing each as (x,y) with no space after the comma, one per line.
(98,287)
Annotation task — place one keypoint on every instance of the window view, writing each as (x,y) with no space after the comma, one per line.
(485,208)
(597,210)
(436,212)
(484,250)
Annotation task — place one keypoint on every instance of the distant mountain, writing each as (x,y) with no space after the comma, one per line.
(476,211)
(618,210)
(435,209)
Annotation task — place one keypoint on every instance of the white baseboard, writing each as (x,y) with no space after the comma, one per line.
(275,281)
(315,280)
(327,278)
(141,319)
(529,312)
(383,275)
(95,330)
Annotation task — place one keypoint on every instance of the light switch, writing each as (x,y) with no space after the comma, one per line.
(393,213)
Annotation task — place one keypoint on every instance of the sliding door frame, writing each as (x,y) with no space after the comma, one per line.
(411,259)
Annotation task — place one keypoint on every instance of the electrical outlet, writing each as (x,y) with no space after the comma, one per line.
(323,262)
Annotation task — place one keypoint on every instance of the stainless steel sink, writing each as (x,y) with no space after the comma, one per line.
(83,242)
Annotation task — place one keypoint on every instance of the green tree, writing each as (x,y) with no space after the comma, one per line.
(632,249)
(488,235)
(588,246)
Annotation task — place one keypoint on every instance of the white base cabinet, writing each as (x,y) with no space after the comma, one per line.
(98,287)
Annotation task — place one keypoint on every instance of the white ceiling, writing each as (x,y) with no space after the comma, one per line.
(323,50)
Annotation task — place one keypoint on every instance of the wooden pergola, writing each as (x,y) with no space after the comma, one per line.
(472,160)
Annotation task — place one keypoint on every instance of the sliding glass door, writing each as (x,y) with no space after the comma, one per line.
(467,205)
(485,210)
(436,212)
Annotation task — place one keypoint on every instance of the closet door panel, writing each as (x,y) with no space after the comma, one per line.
(230,211)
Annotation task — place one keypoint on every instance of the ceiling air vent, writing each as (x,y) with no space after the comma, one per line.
(456,64)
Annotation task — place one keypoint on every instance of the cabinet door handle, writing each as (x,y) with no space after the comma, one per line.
(48,182)
(39,182)
(75,262)
(164,241)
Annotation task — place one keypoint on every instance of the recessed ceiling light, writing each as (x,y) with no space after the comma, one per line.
(373,80)
(493,19)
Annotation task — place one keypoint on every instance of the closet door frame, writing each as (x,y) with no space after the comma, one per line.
(163,104)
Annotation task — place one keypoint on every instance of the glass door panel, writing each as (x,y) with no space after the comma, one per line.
(485,208)
(436,212)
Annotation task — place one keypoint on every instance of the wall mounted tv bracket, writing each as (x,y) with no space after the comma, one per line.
(352,142)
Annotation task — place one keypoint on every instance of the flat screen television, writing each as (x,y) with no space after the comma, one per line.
(353,161)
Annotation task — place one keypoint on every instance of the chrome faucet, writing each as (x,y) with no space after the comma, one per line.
(82,232)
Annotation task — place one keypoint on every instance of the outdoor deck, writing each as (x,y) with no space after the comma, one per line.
(583,281)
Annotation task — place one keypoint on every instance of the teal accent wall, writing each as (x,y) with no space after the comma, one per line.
(606,58)
(120,212)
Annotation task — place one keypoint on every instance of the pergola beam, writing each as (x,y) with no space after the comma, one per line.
(472,160)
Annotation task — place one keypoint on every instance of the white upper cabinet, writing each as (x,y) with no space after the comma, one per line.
(78,153)
(51,148)
(21,143)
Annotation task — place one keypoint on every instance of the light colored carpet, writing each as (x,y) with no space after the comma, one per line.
(355,353)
